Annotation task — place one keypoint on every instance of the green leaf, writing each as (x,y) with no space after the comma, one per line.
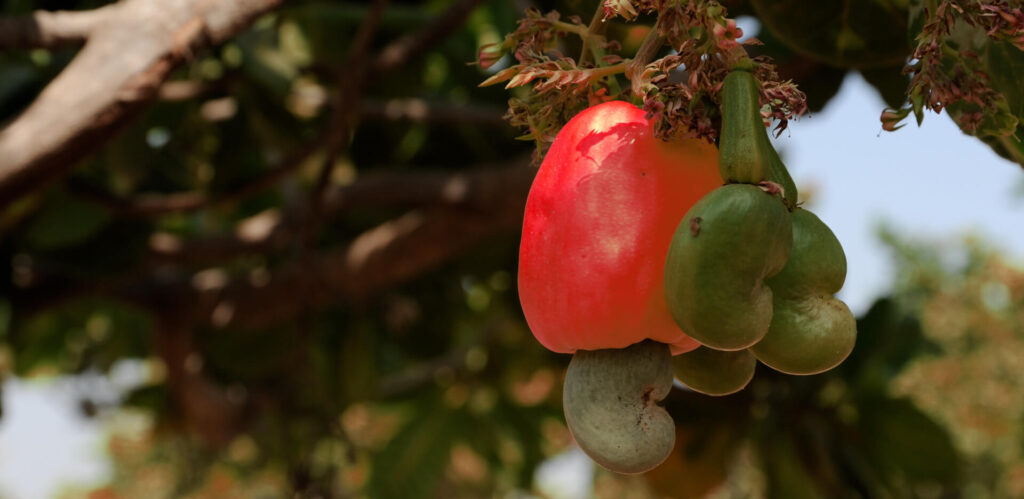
(415,458)
(887,338)
(65,221)
(91,333)
(1008,147)
(1005,65)
(890,82)
(819,81)
(18,82)
(846,34)
(996,121)
(1002,127)
(908,444)
(265,63)
(267,353)
(151,397)
(787,476)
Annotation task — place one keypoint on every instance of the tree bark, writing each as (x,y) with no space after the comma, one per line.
(130,51)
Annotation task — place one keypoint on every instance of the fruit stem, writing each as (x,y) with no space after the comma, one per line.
(743,156)
(595,30)
(648,48)
(571,28)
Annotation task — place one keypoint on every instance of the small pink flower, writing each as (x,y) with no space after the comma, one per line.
(727,35)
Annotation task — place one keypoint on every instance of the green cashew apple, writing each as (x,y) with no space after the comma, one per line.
(811,331)
(742,155)
(779,174)
(722,251)
(611,406)
(746,154)
(714,372)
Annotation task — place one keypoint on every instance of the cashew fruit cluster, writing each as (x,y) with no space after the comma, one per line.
(750,274)
(633,251)
(598,222)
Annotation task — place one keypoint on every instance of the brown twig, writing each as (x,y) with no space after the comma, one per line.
(421,111)
(350,86)
(205,408)
(408,47)
(648,49)
(596,28)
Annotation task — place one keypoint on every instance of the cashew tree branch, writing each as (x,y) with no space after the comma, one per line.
(447,215)
(131,50)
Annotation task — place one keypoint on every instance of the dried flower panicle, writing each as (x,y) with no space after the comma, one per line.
(947,76)
(1003,22)
(679,90)
(780,100)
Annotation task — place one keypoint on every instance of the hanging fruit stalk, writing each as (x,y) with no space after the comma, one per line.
(735,237)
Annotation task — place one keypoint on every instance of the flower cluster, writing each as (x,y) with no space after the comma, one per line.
(1002,21)
(679,90)
(948,74)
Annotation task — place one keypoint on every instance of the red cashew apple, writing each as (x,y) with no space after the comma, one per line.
(599,218)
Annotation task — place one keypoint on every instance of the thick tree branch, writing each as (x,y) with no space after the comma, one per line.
(129,55)
(456,211)
(468,190)
(390,57)
(385,256)
(43,29)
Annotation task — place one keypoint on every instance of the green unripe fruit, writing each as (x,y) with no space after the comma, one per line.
(721,253)
(746,154)
(780,175)
(811,331)
(714,372)
(743,157)
(610,402)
